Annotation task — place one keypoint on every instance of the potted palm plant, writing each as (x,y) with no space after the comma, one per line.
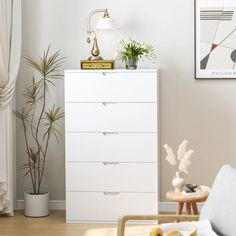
(40,124)
(132,51)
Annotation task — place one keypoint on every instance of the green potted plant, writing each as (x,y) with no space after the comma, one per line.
(132,51)
(40,124)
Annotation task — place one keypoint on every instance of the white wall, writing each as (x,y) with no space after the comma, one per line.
(202,111)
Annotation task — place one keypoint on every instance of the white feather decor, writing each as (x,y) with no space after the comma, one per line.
(170,155)
(183,156)
(182,149)
(185,161)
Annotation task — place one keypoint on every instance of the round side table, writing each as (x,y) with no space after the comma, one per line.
(190,199)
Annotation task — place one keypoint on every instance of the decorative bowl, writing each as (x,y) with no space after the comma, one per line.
(183,229)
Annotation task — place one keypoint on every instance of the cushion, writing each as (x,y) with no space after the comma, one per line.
(220,207)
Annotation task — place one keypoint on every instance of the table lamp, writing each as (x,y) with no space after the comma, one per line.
(95,61)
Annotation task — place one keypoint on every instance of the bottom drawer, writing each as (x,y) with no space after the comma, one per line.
(108,207)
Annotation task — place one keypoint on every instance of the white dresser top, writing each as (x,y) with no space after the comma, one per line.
(111,71)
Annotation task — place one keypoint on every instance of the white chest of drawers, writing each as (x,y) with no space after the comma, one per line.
(111,125)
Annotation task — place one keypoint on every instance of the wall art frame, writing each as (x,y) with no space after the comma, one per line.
(215,39)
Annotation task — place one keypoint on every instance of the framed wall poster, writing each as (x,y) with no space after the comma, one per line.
(215,39)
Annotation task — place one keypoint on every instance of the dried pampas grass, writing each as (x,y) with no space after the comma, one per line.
(183,156)
(170,155)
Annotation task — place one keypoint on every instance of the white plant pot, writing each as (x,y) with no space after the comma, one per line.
(36,205)
(178,183)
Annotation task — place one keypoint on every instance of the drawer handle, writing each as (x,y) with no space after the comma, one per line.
(111,193)
(106,73)
(109,103)
(110,133)
(107,163)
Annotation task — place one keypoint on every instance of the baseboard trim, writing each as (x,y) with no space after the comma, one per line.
(172,206)
(53,205)
(61,205)
(167,206)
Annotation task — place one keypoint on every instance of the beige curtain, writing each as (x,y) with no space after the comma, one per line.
(10,53)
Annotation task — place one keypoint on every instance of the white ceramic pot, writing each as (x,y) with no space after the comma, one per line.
(178,183)
(36,205)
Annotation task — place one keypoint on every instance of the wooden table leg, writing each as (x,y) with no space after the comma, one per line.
(188,208)
(195,210)
(180,208)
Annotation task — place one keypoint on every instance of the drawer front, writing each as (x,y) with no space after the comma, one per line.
(97,206)
(111,117)
(121,147)
(113,87)
(111,176)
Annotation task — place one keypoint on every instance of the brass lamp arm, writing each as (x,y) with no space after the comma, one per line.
(89,28)
(95,50)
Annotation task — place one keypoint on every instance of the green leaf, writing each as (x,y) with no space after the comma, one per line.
(47,65)
(133,50)
(51,126)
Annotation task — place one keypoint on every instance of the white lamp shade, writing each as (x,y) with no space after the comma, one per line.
(106,23)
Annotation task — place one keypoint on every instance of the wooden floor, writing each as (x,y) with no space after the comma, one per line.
(54,225)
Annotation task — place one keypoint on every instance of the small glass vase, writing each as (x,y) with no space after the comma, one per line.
(131,64)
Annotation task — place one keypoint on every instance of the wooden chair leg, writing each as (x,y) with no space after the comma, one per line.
(188,208)
(180,208)
(195,210)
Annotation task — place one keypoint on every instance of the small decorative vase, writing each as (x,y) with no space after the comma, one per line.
(131,64)
(178,183)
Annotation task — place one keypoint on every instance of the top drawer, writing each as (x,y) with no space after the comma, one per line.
(111,87)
